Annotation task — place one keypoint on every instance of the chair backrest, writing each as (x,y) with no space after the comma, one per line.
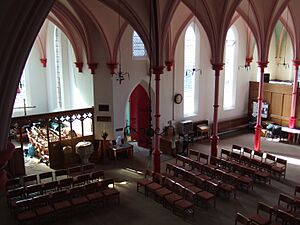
(67,182)
(168,183)
(204,157)
(263,207)
(258,155)
(30,178)
(170,169)
(45,175)
(91,187)
(106,183)
(62,172)
(15,193)
(237,148)
(13,183)
(247,151)
(281,161)
(88,167)
(193,154)
(74,170)
(77,191)
(225,153)
(241,219)
(285,201)
(97,175)
(270,157)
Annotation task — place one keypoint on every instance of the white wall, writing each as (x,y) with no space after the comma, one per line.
(41,82)
(36,85)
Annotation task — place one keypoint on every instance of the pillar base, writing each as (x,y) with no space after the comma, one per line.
(214,145)
(257,138)
(156,161)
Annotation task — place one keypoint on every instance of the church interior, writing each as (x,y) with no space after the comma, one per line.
(151,111)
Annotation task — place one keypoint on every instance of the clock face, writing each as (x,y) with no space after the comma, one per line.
(178,98)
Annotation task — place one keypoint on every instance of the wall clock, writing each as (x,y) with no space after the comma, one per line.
(178,98)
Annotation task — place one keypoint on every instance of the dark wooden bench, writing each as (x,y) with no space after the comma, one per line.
(233,125)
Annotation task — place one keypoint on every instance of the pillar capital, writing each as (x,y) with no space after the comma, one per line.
(92,67)
(112,66)
(157,70)
(262,64)
(217,66)
(169,65)
(44,62)
(248,60)
(79,65)
(296,62)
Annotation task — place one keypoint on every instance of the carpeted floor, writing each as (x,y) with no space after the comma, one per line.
(136,209)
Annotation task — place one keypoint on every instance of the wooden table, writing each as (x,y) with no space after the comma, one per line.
(116,149)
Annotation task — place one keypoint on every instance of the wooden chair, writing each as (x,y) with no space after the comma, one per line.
(141,183)
(155,185)
(193,154)
(13,183)
(237,148)
(81,179)
(167,189)
(203,158)
(93,194)
(170,199)
(46,175)
(257,158)
(24,211)
(270,159)
(225,154)
(264,174)
(247,152)
(14,195)
(74,171)
(242,219)
(263,214)
(34,190)
(297,198)
(78,199)
(42,206)
(61,173)
(279,169)
(60,202)
(97,175)
(207,196)
(65,183)
(285,203)
(88,168)
(109,192)
(50,186)
(30,179)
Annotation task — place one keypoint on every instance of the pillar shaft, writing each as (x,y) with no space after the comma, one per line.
(215,138)
(157,71)
(262,66)
(292,121)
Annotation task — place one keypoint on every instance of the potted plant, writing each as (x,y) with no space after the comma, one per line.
(104,135)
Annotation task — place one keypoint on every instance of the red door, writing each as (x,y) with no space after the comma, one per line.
(139,106)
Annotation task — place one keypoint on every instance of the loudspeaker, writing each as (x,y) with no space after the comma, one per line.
(266,78)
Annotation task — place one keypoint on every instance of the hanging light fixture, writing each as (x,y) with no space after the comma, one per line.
(194,70)
(120,75)
(285,64)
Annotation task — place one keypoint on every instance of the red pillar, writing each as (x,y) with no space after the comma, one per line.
(294,98)
(157,71)
(262,66)
(215,138)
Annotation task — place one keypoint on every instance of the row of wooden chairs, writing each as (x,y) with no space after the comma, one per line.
(225,179)
(20,193)
(267,215)
(55,175)
(38,207)
(209,173)
(260,158)
(171,194)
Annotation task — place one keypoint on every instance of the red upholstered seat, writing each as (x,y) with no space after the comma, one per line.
(62,205)
(205,197)
(171,199)
(111,194)
(26,215)
(44,210)
(95,196)
(261,220)
(162,192)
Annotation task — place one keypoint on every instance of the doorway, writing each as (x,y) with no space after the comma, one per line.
(138,115)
